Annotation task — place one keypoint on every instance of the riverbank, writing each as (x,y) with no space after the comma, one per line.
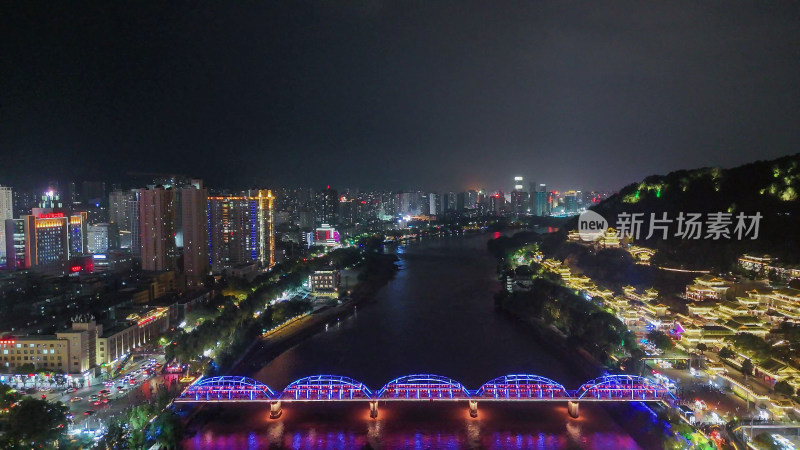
(378,271)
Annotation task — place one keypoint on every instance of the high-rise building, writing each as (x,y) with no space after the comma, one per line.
(348,211)
(434,204)
(233,234)
(540,200)
(194,224)
(133,221)
(46,238)
(118,209)
(571,202)
(15,243)
(519,198)
(266,226)
(157,228)
(78,233)
(6,212)
(448,202)
(327,206)
(101,237)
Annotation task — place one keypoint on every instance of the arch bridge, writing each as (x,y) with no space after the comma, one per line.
(426,387)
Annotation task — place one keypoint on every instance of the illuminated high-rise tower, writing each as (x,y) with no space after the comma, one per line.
(6,212)
(266,225)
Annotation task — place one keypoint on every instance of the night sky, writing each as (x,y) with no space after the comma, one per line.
(401,95)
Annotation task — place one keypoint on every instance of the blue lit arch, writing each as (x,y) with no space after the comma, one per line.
(521,386)
(326,387)
(423,387)
(225,389)
(623,387)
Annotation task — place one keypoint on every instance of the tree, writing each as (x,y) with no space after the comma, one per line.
(24,369)
(35,423)
(660,340)
(782,387)
(726,353)
(702,347)
(138,419)
(747,367)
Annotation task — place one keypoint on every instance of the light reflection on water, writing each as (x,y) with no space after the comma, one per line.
(404,426)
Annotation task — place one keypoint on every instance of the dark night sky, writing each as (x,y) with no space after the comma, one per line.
(430,94)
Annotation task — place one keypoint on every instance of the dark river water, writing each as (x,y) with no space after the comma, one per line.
(437,316)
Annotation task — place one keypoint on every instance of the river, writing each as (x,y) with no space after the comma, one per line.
(436,316)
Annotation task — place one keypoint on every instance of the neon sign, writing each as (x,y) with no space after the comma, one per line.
(51,215)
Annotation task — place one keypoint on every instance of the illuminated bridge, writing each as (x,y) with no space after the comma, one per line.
(425,387)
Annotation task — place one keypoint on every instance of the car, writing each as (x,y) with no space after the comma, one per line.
(121,389)
(70,417)
(104,392)
(105,400)
(108,384)
(132,382)
(70,390)
(94,397)
(76,399)
(89,412)
(97,403)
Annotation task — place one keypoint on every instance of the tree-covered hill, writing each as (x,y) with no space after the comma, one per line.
(770,188)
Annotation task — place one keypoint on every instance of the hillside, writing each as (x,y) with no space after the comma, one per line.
(771,188)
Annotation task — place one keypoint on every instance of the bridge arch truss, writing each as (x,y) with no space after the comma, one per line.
(423,387)
(521,387)
(325,388)
(226,389)
(622,388)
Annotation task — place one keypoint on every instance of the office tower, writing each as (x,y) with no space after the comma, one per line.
(14,243)
(519,198)
(448,202)
(194,225)
(570,202)
(46,239)
(233,235)
(348,212)
(497,202)
(434,204)
(327,206)
(157,228)
(118,209)
(101,237)
(78,226)
(6,212)
(540,201)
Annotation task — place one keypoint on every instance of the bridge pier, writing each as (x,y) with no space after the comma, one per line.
(572,409)
(373,409)
(275,410)
(473,408)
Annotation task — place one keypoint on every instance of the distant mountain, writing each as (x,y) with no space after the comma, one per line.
(771,188)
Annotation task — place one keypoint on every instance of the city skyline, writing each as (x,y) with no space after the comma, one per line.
(594,98)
